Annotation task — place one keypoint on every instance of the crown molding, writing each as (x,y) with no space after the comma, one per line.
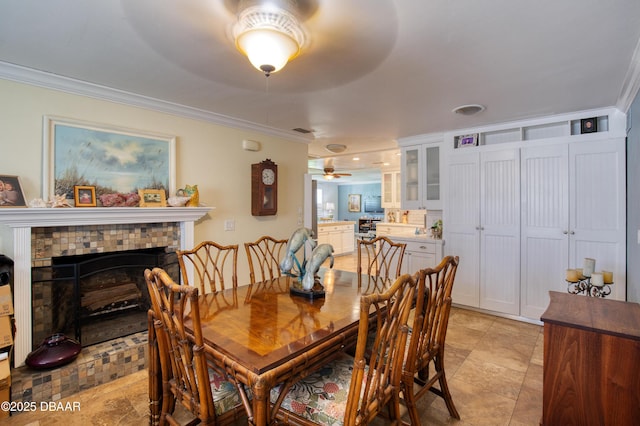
(631,83)
(60,83)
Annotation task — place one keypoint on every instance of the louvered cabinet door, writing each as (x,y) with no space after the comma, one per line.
(462,223)
(545,226)
(597,208)
(500,231)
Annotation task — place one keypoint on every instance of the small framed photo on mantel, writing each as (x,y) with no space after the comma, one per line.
(11,194)
(152,198)
(84,195)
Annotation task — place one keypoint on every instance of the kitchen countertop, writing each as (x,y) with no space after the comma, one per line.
(337,222)
(417,238)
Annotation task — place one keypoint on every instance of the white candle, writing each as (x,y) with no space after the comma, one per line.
(597,279)
(589,266)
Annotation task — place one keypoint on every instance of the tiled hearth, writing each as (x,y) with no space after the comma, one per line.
(96,365)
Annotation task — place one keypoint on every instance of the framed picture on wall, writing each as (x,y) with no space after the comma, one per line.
(353,202)
(11,194)
(113,159)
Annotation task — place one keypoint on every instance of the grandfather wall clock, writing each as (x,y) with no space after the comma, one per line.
(264,188)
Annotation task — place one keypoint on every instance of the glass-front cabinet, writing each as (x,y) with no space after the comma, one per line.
(391,189)
(421,176)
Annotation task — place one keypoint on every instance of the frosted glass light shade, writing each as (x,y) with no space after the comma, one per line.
(267,48)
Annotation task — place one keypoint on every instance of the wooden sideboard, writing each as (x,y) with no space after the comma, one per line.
(591,361)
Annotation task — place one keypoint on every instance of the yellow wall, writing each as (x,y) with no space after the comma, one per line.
(207,154)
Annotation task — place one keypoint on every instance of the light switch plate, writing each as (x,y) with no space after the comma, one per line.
(229,225)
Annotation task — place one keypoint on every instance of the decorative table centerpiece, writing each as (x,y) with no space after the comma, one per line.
(308,282)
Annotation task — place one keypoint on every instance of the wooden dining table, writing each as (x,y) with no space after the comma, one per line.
(262,336)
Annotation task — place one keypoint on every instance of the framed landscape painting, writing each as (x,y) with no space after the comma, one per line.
(112,159)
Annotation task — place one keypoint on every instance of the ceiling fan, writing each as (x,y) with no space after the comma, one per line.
(329,173)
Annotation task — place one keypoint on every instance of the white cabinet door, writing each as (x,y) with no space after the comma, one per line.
(390,189)
(420,177)
(335,239)
(482,228)
(411,177)
(348,239)
(432,199)
(323,236)
(462,222)
(545,225)
(500,231)
(597,208)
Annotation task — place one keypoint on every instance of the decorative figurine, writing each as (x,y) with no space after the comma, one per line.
(307,284)
(297,240)
(321,253)
(192,192)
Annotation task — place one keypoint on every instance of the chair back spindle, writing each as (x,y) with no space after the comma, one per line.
(264,256)
(213,266)
(380,257)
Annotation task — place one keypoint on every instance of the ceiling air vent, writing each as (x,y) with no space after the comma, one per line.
(301,130)
(469,109)
(335,148)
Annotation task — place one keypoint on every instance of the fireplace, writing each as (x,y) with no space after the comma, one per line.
(95,297)
(34,237)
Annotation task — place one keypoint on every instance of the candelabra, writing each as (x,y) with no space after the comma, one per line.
(584,285)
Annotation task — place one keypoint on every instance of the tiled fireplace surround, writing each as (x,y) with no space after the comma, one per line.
(32,237)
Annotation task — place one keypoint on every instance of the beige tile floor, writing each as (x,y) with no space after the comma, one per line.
(494,367)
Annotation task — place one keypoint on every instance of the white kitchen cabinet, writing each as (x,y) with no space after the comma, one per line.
(340,235)
(420,176)
(482,227)
(421,254)
(573,206)
(391,189)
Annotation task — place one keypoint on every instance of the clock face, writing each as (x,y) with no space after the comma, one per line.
(268,177)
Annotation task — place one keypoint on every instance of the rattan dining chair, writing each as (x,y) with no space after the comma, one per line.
(264,256)
(186,377)
(427,338)
(380,257)
(354,390)
(213,265)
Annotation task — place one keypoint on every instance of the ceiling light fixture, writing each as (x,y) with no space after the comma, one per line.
(470,109)
(269,36)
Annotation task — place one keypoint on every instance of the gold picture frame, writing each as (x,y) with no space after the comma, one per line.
(84,195)
(152,198)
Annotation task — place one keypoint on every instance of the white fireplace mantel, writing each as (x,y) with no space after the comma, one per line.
(17,245)
(32,217)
